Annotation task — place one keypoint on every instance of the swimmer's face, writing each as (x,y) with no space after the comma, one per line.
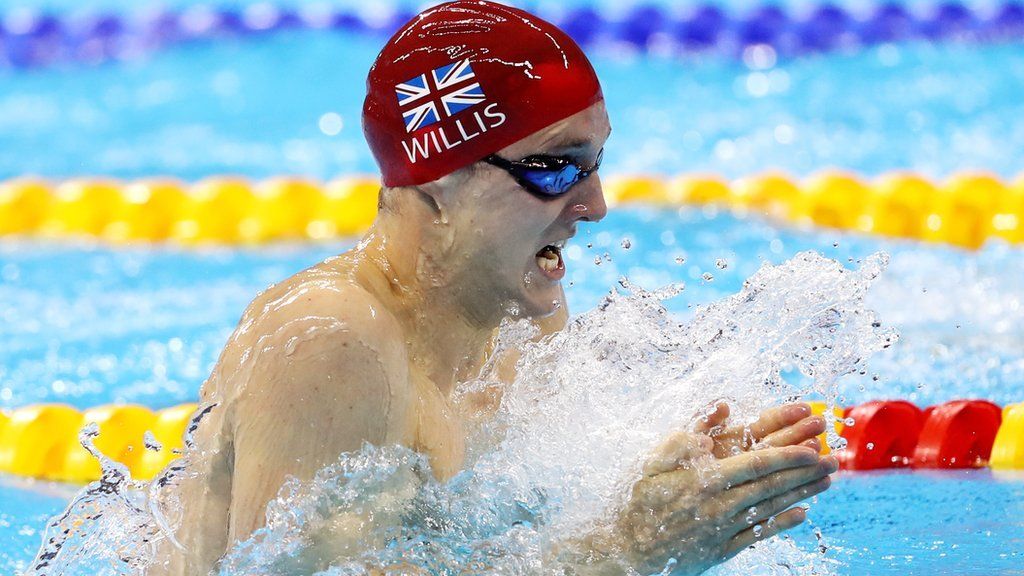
(514,239)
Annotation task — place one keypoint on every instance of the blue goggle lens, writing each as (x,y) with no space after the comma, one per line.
(552,182)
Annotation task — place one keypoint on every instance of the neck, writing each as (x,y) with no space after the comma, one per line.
(400,263)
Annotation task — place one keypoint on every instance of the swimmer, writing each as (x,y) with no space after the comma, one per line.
(488,125)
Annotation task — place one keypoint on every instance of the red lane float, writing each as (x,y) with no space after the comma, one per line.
(958,434)
(883,435)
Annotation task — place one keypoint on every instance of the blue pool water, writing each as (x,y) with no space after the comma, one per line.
(87,324)
(250,107)
(146,325)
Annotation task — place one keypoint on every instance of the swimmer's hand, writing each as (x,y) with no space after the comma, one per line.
(694,503)
(786,425)
(701,510)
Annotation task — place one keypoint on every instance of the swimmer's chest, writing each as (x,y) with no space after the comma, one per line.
(437,428)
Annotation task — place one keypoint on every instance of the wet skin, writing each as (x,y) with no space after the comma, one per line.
(367,346)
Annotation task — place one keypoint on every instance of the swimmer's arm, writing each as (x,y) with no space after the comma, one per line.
(333,391)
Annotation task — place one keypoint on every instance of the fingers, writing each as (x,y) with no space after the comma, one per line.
(784,521)
(754,493)
(813,444)
(774,423)
(711,417)
(769,507)
(677,451)
(796,433)
(777,418)
(748,466)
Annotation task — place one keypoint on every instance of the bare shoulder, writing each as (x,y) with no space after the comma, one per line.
(325,302)
(314,328)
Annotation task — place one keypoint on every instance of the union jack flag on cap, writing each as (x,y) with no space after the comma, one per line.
(453,86)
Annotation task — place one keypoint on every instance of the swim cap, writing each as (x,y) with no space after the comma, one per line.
(463,80)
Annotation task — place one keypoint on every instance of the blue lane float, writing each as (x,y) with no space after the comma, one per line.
(31,38)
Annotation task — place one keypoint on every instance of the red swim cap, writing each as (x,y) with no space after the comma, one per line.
(463,80)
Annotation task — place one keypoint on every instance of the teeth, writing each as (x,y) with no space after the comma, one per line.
(547,258)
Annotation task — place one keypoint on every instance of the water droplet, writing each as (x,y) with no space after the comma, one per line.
(721,264)
(871,446)
(512,309)
(626,244)
(758,530)
(707,276)
(822,546)
(597,260)
(680,260)
(150,442)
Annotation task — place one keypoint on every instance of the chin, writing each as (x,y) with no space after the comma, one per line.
(540,301)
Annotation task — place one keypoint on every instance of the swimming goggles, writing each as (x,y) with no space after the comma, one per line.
(545,176)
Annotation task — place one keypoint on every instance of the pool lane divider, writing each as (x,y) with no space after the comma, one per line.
(30,38)
(965,210)
(42,441)
(955,434)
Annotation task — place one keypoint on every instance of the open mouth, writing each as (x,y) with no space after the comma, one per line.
(549,260)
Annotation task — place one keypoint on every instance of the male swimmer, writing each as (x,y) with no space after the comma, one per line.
(488,125)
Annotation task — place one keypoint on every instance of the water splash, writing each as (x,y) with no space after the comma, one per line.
(115,524)
(571,432)
(560,453)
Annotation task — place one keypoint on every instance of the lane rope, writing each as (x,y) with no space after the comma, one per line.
(964,210)
(41,441)
(956,434)
(31,38)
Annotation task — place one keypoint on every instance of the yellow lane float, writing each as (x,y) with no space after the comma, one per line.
(35,439)
(964,210)
(42,441)
(1008,449)
(167,427)
(818,409)
(121,430)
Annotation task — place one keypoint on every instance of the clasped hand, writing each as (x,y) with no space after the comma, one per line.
(706,495)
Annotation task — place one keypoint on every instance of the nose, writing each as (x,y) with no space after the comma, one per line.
(588,201)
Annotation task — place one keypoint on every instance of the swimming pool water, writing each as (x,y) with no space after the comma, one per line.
(255,107)
(145,325)
(871,523)
(87,324)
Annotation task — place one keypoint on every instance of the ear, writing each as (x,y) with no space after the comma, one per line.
(428,197)
(442,194)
